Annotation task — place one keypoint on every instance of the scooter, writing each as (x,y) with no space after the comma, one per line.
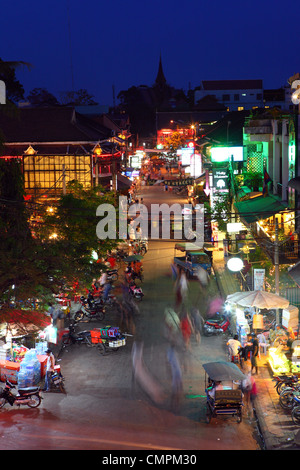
(90,308)
(216,326)
(71,337)
(57,382)
(135,292)
(283,381)
(29,396)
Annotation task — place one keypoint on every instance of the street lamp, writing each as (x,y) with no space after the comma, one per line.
(235,264)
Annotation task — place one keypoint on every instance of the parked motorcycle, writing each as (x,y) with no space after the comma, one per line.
(57,382)
(73,337)
(91,308)
(282,381)
(296,411)
(288,397)
(216,326)
(135,292)
(29,396)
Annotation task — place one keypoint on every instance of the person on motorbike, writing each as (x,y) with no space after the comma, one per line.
(106,290)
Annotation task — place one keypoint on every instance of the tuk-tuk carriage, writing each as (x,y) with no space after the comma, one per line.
(223,389)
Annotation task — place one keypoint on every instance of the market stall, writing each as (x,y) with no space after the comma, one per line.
(283,351)
(23,340)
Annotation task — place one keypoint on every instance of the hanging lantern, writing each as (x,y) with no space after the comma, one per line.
(258,322)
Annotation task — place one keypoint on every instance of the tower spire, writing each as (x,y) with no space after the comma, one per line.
(160,79)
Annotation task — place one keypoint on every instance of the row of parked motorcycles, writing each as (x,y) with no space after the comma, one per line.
(288,389)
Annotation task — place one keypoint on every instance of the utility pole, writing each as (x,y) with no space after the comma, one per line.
(64,179)
(276,262)
(276,258)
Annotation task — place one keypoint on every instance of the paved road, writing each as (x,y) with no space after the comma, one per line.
(102,411)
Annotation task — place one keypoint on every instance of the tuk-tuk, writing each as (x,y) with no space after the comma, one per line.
(223,389)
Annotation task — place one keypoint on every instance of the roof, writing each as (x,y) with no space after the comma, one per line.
(294,272)
(50,124)
(259,207)
(222,370)
(232,84)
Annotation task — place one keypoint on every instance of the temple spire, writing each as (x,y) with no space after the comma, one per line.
(160,79)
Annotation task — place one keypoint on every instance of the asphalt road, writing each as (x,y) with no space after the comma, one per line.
(103,411)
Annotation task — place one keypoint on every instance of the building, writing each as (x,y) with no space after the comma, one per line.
(57,145)
(235,95)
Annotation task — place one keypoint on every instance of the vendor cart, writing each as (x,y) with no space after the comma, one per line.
(224,395)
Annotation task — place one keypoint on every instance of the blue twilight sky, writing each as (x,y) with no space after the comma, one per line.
(116,43)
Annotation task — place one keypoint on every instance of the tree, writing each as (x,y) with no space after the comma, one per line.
(42,97)
(74,224)
(76,98)
(24,271)
(14,89)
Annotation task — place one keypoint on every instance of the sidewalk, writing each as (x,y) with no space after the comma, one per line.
(275,424)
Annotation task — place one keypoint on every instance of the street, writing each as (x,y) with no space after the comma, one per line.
(104,410)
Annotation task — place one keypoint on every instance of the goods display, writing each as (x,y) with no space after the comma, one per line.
(30,370)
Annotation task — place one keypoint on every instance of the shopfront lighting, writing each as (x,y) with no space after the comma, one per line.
(235,264)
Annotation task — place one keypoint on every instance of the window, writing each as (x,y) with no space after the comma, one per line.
(236,97)
(240,108)
(226,97)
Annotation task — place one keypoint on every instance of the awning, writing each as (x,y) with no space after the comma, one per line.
(259,207)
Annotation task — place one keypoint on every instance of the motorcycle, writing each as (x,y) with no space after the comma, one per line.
(216,326)
(90,308)
(283,381)
(135,292)
(57,382)
(29,396)
(289,398)
(71,337)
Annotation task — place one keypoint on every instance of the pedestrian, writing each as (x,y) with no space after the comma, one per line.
(183,287)
(197,323)
(234,347)
(142,375)
(177,386)
(254,355)
(186,329)
(49,369)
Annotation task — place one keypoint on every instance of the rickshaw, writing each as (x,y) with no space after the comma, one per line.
(223,390)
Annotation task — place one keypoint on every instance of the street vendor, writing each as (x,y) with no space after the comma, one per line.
(49,369)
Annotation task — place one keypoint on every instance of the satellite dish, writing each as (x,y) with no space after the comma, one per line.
(296,94)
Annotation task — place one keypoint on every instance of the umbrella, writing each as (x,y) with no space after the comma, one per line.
(223,371)
(259,299)
(131,258)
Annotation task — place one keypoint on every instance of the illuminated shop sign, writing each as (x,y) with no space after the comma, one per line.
(226,154)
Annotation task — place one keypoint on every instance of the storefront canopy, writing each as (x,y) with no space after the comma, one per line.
(259,207)
(23,322)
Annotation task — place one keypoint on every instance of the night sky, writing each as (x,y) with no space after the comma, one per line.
(118,43)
